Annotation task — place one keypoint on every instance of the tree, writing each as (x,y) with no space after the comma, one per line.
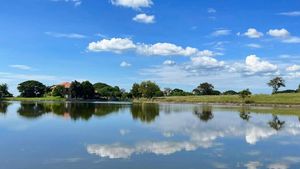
(149,89)
(59,91)
(135,91)
(230,92)
(76,89)
(276,83)
(4,91)
(31,88)
(88,90)
(204,89)
(244,94)
(178,92)
(167,91)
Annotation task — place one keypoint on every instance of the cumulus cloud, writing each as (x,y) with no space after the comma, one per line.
(135,4)
(169,62)
(278,166)
(206,62)
(125,64)
(291,13)
(21,67)
(279,33)
(293,68)
(66,35)
(283,35)
(256,66)
(221,32)
(144,18)
(253,33)
(116,45)
(165,49)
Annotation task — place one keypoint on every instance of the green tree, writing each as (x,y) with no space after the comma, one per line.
(135,91)
(204,89)
(276,83)
(149,89)
(245,94)
(88,90)
(230,92)
(59,91)
(31,88)
(76,89)
(4,91)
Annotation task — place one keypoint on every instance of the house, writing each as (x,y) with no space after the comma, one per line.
(67,86)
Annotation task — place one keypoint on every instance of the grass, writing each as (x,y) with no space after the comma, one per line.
(288,99)
(49,98)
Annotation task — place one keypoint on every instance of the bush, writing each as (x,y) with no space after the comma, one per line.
(230,92)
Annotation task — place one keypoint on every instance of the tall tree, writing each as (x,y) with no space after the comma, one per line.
(204,89)
(244,94)
(76,89)
(135,91)
(59,91)
(31,88)
(149,89)
(4,91)
(276,83)
(88,90)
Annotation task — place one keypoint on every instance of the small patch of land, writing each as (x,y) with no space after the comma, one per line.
(33,99)
(280,99)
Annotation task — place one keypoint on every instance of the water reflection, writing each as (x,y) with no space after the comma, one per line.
(245,114)
(4,106)
(204,113)
(145,112)
(275,123)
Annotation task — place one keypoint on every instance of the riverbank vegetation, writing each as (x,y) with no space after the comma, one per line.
(148,91)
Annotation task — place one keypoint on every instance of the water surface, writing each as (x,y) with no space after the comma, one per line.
(52,135)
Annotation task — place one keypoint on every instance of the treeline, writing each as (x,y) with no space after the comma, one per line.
(145,89)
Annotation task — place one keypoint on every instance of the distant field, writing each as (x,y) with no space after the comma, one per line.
(34,99)
(256,99)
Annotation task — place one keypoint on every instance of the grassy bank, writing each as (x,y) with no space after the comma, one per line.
(33,99)
(288,99)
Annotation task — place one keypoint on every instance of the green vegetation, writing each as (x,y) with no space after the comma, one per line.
(31,88)
(146,89)
(276,83)
(255,99)
(4,91)
(48,98)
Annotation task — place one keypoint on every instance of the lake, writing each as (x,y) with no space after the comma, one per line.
(53,135)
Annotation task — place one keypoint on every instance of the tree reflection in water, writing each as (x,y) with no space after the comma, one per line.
(4,106)
(275,123)
(245,114)
(204,113)
(145,112)
(74,111)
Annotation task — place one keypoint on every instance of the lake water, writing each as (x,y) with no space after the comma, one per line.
(147,136)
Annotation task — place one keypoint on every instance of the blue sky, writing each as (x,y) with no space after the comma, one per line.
(231,44)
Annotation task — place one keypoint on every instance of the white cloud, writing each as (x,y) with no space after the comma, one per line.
(75,2)
(284,35)
(279,33)
(253,165)
(255,66)
(292,39)
(22,67)
(116,45)
(125,64)
(66,35)
(211,10)
(124,132)
(278,166)
(253,45)
(292,13)
(169,62)
(221,32)
(293,68)
(206,62)
(144,18)
(135,4)
(253,33)
(165,49)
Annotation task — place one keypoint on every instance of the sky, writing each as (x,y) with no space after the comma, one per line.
(179,44)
